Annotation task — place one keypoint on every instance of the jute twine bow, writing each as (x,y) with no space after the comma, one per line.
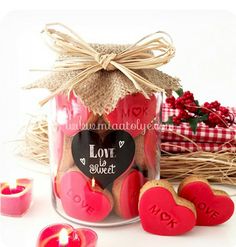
(76,54)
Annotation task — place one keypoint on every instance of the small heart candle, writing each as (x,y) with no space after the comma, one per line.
(15,198)
(64,235)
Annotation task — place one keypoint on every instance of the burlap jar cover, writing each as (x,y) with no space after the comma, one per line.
(101,76)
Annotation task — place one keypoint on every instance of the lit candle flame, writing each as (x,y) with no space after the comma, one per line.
(93,183)
(63,237)
(12,184)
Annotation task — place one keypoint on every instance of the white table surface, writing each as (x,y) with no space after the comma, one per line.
(205,61)
(25,230)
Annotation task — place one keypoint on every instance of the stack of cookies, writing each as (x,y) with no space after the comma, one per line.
(100,163)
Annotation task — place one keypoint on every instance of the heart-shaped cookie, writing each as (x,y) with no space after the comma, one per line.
(146,152)
(66,159)
(162,212)
(84,200)
(213,206)
(133,113)
(71,114)
(103,159)
(125,192)
(151,148)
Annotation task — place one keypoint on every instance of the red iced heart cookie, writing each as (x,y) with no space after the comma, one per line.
(133,113)
(66,160)
(57,136)
(126,193)
(162,212)
(83,201)
(146,150)
(72,115)
(151,149)
(139,156)
(213,206)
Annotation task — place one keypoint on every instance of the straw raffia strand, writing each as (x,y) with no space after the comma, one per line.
(218,167)
(76,54)
(35,140)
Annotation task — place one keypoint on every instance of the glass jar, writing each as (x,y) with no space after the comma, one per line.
(99,163)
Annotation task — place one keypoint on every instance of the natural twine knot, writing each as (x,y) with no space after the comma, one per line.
(105,60)
(76,54)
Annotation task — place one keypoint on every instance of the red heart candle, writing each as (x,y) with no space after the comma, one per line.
(15,200)
(59,235)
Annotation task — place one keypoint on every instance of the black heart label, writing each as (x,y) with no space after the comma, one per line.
(104,160)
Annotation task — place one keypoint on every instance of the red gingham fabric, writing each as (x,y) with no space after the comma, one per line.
(179,147)
(207,139)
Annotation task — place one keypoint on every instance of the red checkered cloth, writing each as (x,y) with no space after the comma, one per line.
(179,147)
(178,138)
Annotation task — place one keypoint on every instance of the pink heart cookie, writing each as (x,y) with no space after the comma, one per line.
(126,193)
(133,113)
(58,140)
(151,149)
(72,115)
(66,160)
(213,206)
(162,212)
(83,201)
(146,152)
